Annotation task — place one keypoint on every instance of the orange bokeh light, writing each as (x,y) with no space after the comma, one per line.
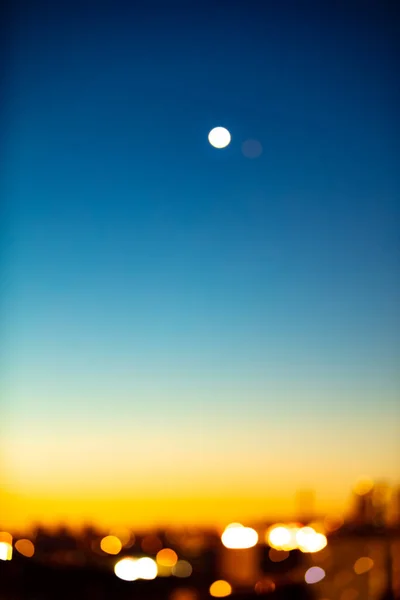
(167,557)
(25,547)
(111,544)
(220,589)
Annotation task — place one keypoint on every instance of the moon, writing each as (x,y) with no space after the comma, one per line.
(219,137)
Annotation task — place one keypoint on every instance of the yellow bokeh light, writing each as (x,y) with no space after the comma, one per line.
(126,569)
(124,535)
(25,547)
(146,568)
(5,551)
(314,575)
(363,486)
(363,565)
(182,569)
(111,544)
(236,536)
(167,557)
(220,589)
(163,571)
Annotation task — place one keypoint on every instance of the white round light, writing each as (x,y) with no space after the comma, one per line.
(146,568)
(238,537)
(126,569)
(219,137)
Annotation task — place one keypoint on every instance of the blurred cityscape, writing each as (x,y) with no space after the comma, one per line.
(329,557)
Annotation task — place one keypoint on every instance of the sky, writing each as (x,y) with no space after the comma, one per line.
(192,334)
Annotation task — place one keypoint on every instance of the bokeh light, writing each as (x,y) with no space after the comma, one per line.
(151,544)
(219,137)
(277,555)
(350,594)
(111,544)
(363,486)
(363,565)
(343,578)
(124,535)
(308,540)
(184,594)
(6,537)
(314,574)
(252,149)
(182,569)
(5,551)
(333,522)
(265,586)
(163,571)
(167,557)
(25,547)
(146,568)
(236,536)
(220,589)
(126,569)
(282,537)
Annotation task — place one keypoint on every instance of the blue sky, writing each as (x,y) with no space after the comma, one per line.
(141,258)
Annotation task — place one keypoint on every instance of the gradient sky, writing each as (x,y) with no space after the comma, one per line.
(185,326)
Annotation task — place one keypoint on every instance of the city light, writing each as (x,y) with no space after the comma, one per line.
(126,569)
(220,589)
(146,568)
(314,574)
(111,544)
(363,565)
(236,536)
(25,547)
(182,569)
(167,557)
(5,551)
